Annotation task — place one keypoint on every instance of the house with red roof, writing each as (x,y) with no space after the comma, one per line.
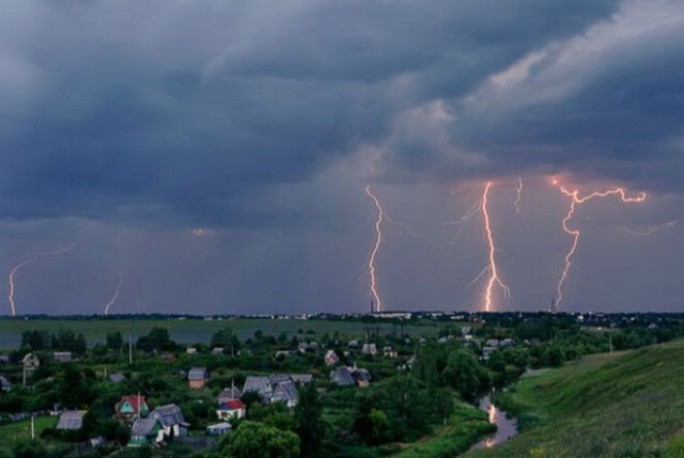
(131,407)
(232,409)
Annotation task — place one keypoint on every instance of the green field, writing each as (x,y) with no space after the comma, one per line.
(14,432)
(621,405)
(198,330)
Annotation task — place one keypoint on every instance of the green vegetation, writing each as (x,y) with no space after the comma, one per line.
(626,404)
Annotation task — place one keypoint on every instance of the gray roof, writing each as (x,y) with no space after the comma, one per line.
(143,427)
(342,376)
(168,415)
(198,373)
(230,393)
(4,382)
(302,378)
(117,377)
(71,419)
(285,391)
(261,385)
(279,378)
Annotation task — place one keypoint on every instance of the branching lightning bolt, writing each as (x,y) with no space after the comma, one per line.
(491,269)
(494,279)
(21,265)
(376,247)
(114,298)
(576,199)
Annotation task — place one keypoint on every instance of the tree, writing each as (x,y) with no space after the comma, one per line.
(465,374)
(115,341)
(309,419)
(29,449)
(257,440)
(157,339)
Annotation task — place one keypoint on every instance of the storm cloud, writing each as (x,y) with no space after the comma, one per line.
(261,121)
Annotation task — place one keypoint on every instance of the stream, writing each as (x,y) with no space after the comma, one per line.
(506,427)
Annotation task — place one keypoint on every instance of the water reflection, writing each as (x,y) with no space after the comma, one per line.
(506,427)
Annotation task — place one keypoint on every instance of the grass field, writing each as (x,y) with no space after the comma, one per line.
(197,330)
(12,433)
(621,405)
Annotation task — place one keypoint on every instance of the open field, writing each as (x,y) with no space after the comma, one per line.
(626,404)
(12,433)
(199,330)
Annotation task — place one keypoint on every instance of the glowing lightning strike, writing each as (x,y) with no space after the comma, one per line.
(493,270)
(650,230)
(23,264)
(376,248)
(576,199)
(518,195)
(117,291)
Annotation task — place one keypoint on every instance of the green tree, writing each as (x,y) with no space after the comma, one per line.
(29,449)
(257,440)
(115,341)
(309,419)
(465,374)
(157,339)
(379,427)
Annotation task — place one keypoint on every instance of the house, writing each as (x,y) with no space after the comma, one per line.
(168,357)
(301,379)
(219,429)
(5,384)
(30,363)
(233,409)
(258,384)
(282,354)
(331,358)
(308,347)
(342,376)
(146,431)
(132,406)
(171,419)
(191,350)
(198,377)
(4,359)
(229,394)
(348,376)
(217,351)
(117,377)
(353,344)
(71,420)
(369,349)
(62,356)
(286,392)
(389,352)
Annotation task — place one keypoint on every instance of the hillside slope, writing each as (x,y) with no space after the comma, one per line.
(621,405)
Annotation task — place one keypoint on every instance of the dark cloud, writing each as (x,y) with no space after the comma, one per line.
(258,123)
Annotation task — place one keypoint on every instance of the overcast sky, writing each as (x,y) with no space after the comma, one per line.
(214,154)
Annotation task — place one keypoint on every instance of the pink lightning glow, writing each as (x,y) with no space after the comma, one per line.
(376,247)
(493,279)
(18,267)
(576,199)
(114,298)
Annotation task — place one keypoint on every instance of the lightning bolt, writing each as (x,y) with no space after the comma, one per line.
(114,298)
(650,230)
(575,200)
(21,265)
(518,195)
(491,269)
(376,247)
(494,279)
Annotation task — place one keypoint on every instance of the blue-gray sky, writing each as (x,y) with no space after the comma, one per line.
(216,153)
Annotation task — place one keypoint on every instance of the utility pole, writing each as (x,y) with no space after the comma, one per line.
(130,344)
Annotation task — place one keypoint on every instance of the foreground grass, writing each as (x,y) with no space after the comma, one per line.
(12,433)
(465,427)
(621,405)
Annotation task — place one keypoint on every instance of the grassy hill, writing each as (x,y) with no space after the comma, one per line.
(628,404)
